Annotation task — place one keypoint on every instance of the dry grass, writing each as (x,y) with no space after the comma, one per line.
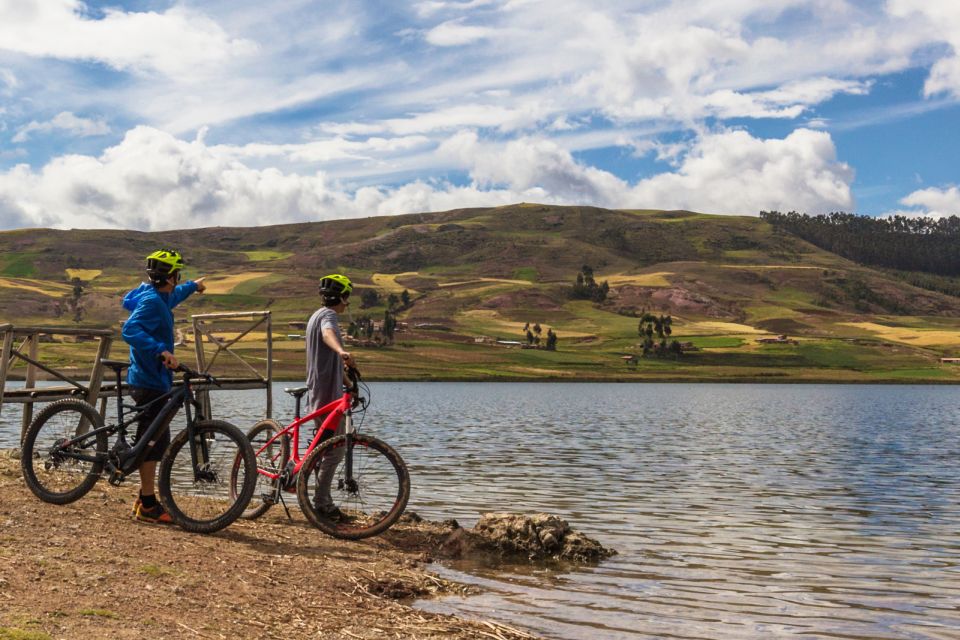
(83,274)
(460,283)
(658,279)
(388,281)
(714,327)
(491,321)
(79,572)
(42,287)
(226,284)
(908,335)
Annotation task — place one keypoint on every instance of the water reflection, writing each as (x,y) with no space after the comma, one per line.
(740,511)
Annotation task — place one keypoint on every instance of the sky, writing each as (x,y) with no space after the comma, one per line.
(159,114)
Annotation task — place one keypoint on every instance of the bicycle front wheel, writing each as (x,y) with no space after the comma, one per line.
(271,459)
(353,487)
(211,494)
(50,469)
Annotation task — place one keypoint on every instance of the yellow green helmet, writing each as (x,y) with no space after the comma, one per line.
(335,286)
(163,263)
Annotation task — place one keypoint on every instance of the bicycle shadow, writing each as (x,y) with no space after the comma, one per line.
(305,540)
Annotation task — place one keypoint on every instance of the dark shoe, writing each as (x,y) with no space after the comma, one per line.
(156,515)
(334,514)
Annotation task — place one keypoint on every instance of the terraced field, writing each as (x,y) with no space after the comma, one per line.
(476,276)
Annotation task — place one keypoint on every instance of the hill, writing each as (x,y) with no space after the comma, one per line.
(483,274)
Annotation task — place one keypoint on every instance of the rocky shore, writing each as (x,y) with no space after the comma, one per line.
(86,570)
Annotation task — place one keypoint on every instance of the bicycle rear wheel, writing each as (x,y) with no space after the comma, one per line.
(210,496)
(271,459)
(49,471)
(361,504)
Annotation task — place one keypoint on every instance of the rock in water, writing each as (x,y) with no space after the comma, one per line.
(538,537)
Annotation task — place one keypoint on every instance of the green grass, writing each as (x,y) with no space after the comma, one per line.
(251,287)
(265,256)
(526,273)
(712,342)
(156,570)
(98,613)
(8,633)
(19,265)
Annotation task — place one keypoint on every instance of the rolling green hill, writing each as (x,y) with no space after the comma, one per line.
(484,273)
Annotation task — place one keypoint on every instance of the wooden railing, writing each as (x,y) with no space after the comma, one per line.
(207,326)
(28,351)
(23,344)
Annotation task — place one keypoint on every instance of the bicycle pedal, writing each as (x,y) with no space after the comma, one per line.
(116,478)
(268,498)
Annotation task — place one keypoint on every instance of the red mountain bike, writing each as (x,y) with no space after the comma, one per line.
(349,486)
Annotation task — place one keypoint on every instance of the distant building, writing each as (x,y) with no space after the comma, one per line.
(483,340)
(950,360)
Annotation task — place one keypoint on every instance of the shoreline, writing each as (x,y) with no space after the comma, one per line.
(757,379)
(88,570)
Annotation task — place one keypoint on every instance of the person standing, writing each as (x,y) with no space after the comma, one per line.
(326,359)
(150,334)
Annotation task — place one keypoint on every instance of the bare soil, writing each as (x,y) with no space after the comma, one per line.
(87,570)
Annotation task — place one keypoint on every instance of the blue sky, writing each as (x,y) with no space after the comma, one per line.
(155,114)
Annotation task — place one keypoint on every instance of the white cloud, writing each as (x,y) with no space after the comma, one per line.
(734,172)
(151,180)
(941,20)
(8,78)
(933,202)
(177,42)
(66,122)
(454,33)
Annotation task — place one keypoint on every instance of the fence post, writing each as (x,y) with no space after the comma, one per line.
(5,355)
(31,381)
(202,395)
(96,379)
(269,364)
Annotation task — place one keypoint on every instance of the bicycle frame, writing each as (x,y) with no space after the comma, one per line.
(335,411)
(123,459)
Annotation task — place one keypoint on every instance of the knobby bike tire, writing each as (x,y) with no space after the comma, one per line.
(272,459)
(211,503)
(56,479)
(373,504)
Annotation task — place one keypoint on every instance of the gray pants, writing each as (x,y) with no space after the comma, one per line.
(327,468)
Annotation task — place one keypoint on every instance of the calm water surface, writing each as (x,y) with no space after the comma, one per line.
(740,511)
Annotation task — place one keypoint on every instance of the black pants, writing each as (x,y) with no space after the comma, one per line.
(161,440)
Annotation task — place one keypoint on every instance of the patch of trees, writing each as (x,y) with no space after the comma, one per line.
(374,333)
(372,298)
(930,245)
(536,339)
(586,288)
(654,332)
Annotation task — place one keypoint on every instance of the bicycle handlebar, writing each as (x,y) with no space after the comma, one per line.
(189,373)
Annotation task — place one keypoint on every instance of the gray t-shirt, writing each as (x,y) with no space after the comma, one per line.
(324,367)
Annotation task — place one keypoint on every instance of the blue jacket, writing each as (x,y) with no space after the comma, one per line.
(149,332)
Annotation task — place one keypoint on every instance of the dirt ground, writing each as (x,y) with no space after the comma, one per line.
(87,570)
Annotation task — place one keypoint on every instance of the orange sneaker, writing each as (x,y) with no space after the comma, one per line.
(156,515)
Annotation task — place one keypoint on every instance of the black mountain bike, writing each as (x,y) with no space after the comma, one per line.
(207,474)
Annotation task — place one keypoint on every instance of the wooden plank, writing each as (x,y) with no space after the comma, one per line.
(62,331)
(5,358)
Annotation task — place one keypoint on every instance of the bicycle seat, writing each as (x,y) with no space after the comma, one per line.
(116,365)
(296,392)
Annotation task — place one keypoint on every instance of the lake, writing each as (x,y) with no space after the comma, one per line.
(739,511)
